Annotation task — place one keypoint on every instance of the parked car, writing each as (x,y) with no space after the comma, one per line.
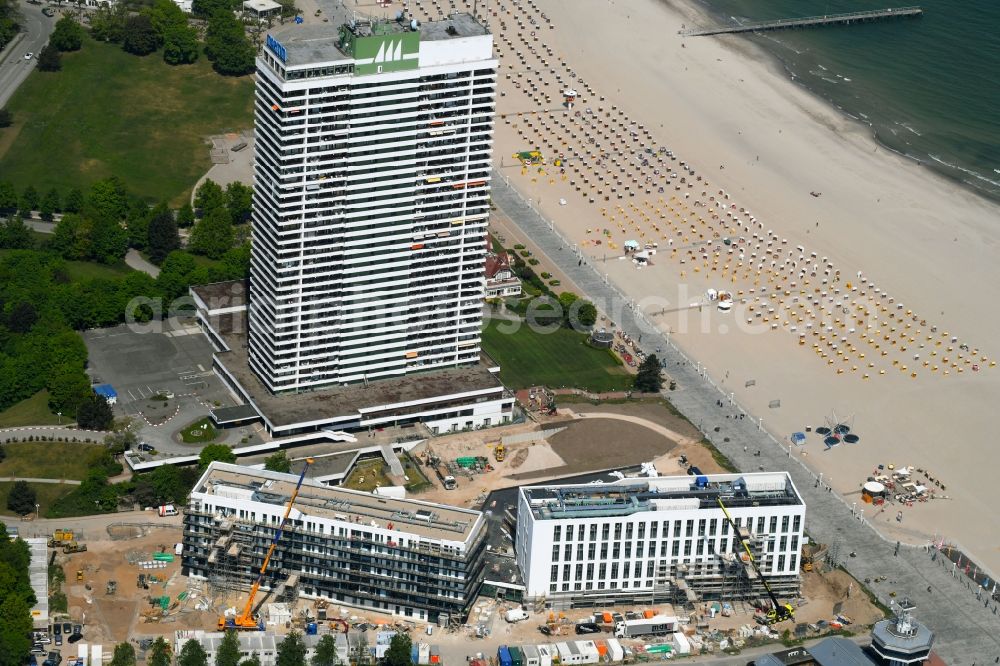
(58,640)
(588,628)
(37,648)
(143,446)
(48,12)
(29,55)
(67,628)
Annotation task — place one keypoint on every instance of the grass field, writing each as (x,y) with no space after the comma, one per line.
(30,411)
(200,432)
(111,113)
(46,494)
(558,359)
(87,270)
(46,460)
(368,475)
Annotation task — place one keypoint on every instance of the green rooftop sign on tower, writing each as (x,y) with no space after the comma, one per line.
(392,51)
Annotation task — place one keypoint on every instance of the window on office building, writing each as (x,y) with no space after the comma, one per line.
(713,525)
(649,569)
(653,530)
(565,587)
(794,562)
(579,551)
(795,543)
(725,527)
(566,569)
(604,551)
(554,572)
(760,524)
(774,525)
(602,571)
(557,533)
(677,528)
(700,550)
(552,587)
(784,523)
(796,523)
(639,548)
(628,530)
(593,532)
(781,562)
(605,531)
(590,573)
(555,553)
(567,551)
(618,531)
(616,550)
(687,547)
(627,570)
(569,533)
(675,551)
(577,586)
(642,531)
(663,548)
(579,572)
(628,549)
(701,527)
(783,544)
(614,570)
(591,551)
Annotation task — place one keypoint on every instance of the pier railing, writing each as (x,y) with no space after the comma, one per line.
(808,21)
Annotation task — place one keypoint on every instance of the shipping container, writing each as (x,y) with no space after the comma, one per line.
(565,656)
(531,655)
(544,656)
(683,644)
(503,656)
(615,651)
(588,652)
(516,656)
(602,648)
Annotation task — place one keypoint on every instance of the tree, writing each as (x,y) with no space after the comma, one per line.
(325,653)
(140,37)
(228,653)
(252,660)
(15,628)
(21,499)
(208,197)
(122,438)
(192,654)
(214,452)
(159,653)
(15,235)
(49,59)
(227,46)
(292,651)
(239,199)
(6,118)
(213,235)
(398,653)
(649,379)
(8,197)
(49,204)
(162,238)
(68,35)
(124,655)
(69,390)
(74,201)
(180,46)
(94,413)
(108,198)
(185,216)
(278,462)
(21,317)
(208,8)
(108,239)
(107,22)
(586,314)
(29,200)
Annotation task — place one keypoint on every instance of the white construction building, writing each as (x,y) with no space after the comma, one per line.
(662,539)
(371,198)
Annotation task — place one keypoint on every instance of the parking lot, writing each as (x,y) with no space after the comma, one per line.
(174,362)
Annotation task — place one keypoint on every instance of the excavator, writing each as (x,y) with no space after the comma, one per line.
(778,612)
(247,620)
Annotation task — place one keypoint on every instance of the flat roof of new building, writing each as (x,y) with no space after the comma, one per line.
(629,496)
(306,44)
(342,402)
(217,295)
(262,5)
(424,519)
(237,414)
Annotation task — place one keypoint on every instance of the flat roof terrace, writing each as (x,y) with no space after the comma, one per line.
(630,496)
(424,519)
(344,402)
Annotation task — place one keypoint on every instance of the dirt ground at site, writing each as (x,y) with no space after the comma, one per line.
(110,618)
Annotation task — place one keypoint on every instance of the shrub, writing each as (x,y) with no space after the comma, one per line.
(533,261)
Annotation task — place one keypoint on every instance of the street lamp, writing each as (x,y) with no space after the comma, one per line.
(59,414)
(37,511)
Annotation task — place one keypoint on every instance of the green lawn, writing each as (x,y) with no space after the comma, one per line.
(367,475)
(200,432)
(30,411)
(558,359)
(46,494)
(46,460)
(111,113)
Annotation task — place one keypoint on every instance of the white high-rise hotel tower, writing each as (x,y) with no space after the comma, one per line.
(370,200)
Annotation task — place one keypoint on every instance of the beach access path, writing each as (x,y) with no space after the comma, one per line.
(966,627)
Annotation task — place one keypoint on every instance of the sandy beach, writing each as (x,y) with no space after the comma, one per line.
(884,325)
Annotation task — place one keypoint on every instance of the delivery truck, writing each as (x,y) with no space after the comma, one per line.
(659,625)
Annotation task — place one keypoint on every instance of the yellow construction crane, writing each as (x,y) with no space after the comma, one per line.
(779,612)
(246,621)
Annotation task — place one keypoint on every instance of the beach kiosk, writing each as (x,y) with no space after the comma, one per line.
(873,492)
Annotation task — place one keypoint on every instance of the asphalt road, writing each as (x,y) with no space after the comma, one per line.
(14,69)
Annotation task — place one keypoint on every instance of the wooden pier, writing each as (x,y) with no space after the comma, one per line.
(809,21)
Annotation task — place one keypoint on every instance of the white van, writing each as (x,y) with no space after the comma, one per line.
(166,510)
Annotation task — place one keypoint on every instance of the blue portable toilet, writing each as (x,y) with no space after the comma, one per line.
(312,629)
(503,654)
(299,19)
(414,654)
(701,482)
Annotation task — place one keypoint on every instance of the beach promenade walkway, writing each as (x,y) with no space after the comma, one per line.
(808,21)
(967,628)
